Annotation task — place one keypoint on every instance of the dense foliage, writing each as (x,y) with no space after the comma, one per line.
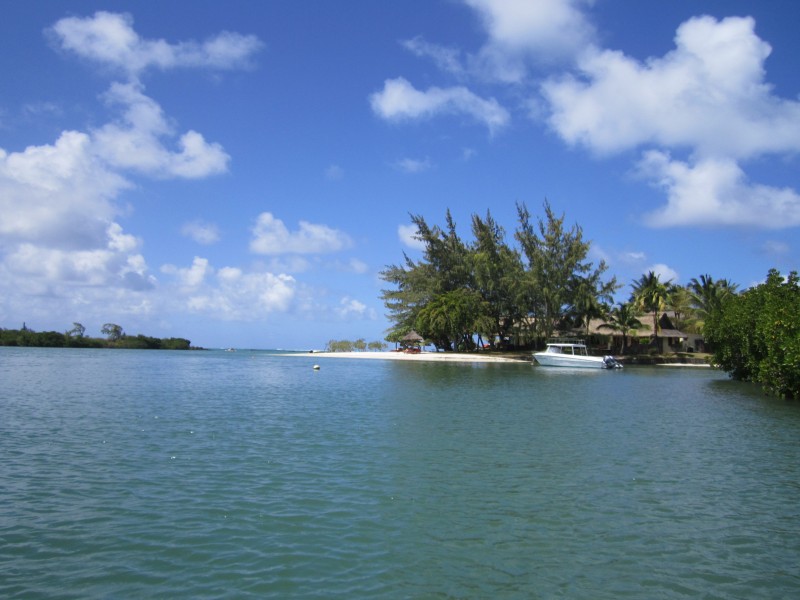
(756,334)
(489,290)
(463,294)
(76,338)
(359,345)
(650,295)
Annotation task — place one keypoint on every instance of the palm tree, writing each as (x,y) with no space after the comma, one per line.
(707,296)
(624,318)
(650,295)
(680,303)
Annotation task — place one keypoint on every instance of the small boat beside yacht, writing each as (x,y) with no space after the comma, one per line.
(573,353)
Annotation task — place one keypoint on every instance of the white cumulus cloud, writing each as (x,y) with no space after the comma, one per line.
(521,31)
(708,94)
(407,236)
(60,241)
(135,142)
(716,192)
(228,293)
(192,276)
(271,236)
(58,200)
(116,265)
(350,307)
(59,194)
(666,274)
(237,295)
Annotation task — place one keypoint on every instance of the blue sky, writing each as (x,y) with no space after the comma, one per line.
(239,173)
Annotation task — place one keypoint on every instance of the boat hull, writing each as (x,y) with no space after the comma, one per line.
(582,362)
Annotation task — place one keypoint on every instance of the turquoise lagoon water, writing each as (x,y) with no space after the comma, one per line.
(146,474)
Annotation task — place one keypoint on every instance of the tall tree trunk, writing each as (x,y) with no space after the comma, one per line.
(655,330)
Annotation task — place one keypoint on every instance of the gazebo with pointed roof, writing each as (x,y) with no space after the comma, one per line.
(412,338)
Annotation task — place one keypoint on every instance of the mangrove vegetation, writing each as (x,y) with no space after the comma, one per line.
(76,337)
(756,334)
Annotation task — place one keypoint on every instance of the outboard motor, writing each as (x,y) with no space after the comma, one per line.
(611,362)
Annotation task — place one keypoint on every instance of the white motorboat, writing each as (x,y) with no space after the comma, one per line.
(573,354)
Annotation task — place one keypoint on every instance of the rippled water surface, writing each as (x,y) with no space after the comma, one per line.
(229,475)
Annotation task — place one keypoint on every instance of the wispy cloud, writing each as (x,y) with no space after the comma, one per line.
(413,165)
(445,58)
(109,38)
(350,307)
(633,257)
(202,233)
(40,109)
(776,248)
(353,265)
(399,100)
(334,173)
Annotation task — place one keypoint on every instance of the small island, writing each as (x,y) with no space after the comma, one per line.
(76,337)
(488,293)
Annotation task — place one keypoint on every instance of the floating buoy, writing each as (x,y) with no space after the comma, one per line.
(316,367)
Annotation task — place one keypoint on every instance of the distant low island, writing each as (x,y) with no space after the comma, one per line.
(76,337)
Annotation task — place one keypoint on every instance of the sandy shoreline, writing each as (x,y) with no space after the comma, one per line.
(421,357)
(450,357)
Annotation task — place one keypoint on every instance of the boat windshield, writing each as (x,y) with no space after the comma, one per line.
(575,349)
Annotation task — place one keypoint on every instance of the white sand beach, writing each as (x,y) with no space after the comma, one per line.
(473,357)
(422,356)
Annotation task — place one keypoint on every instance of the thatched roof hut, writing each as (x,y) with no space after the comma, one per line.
(412,338)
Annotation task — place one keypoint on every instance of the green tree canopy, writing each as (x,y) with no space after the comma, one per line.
(707,296)
(497,273)
(113,331)
(75,338)
(623,318)
(650,294)
(77,330)
(756,334)
(560,279)
(679,301)
(451,318)
(458,290)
